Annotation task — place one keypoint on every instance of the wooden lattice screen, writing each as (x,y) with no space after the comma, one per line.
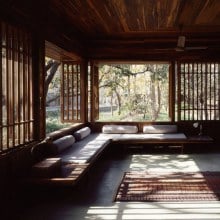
(198,91)
(16,87)
(71,92)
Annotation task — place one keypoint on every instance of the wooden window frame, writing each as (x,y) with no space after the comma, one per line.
(198,90)
(16,87)
(95,90)
(73,78)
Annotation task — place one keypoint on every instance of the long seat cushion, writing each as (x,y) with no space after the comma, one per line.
(85,150)
(121,129)
(159,129)
(149,137)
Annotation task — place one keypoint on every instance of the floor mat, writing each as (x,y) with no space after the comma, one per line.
(144,186)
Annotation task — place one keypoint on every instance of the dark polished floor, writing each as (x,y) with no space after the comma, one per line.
(93,198)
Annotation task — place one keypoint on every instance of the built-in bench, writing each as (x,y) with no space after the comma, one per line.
(66,160)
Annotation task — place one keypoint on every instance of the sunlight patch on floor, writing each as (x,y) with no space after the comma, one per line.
(174,163)
(139,211)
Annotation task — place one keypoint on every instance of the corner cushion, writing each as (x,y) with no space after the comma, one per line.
(82,133)
(159,129)
(62,143)
(121,129)
(46,168)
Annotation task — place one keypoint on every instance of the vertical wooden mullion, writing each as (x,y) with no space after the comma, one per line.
(1,94)
(206,90)
(78,91)
(84,91)
(65,93)
(31,86)
(201,90)
(75,107)
(7,84)
(218,107)
(68,93)
(18,92)
(188,86)
(171,91)
(28,89)
(72,90)
(16,87)
(13,87)
(193,92)
(62,92)
(214,92)
(179,91)
(90,93)
(10,89)
(92,100)
(210,91)
(24,89)
(184,93)
(197,90)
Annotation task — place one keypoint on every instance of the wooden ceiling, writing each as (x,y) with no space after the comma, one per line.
(129,29)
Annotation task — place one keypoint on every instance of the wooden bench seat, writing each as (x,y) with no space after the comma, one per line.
(76,157)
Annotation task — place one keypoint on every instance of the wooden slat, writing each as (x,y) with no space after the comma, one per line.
(7,85)
(215,91)
(12,116)
(193,91)
(78,90)
(218,91)
(24,90)
(1,89)
(72,91)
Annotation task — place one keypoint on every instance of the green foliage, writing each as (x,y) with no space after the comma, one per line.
(53,122)
(138,91)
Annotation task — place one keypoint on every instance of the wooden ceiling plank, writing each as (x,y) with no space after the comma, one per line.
(209,13)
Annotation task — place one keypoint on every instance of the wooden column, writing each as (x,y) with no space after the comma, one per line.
(39,80)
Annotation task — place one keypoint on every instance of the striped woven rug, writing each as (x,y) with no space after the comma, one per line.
(169,187)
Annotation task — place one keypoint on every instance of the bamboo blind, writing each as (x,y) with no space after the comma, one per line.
(16,87)
(199,91)
(71,92)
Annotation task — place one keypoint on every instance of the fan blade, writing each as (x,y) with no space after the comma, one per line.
(196,48)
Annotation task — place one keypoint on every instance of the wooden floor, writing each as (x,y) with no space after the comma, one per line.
(93,198)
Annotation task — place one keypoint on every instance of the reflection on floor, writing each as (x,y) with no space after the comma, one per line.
(93,198)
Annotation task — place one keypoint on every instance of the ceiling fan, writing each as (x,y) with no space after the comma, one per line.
(181,45)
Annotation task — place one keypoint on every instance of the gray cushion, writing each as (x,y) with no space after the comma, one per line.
(121,129)
(82,133)
(159,129)
(62,143)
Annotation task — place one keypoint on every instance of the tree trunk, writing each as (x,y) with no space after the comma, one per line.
(52,66)
(119,102)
